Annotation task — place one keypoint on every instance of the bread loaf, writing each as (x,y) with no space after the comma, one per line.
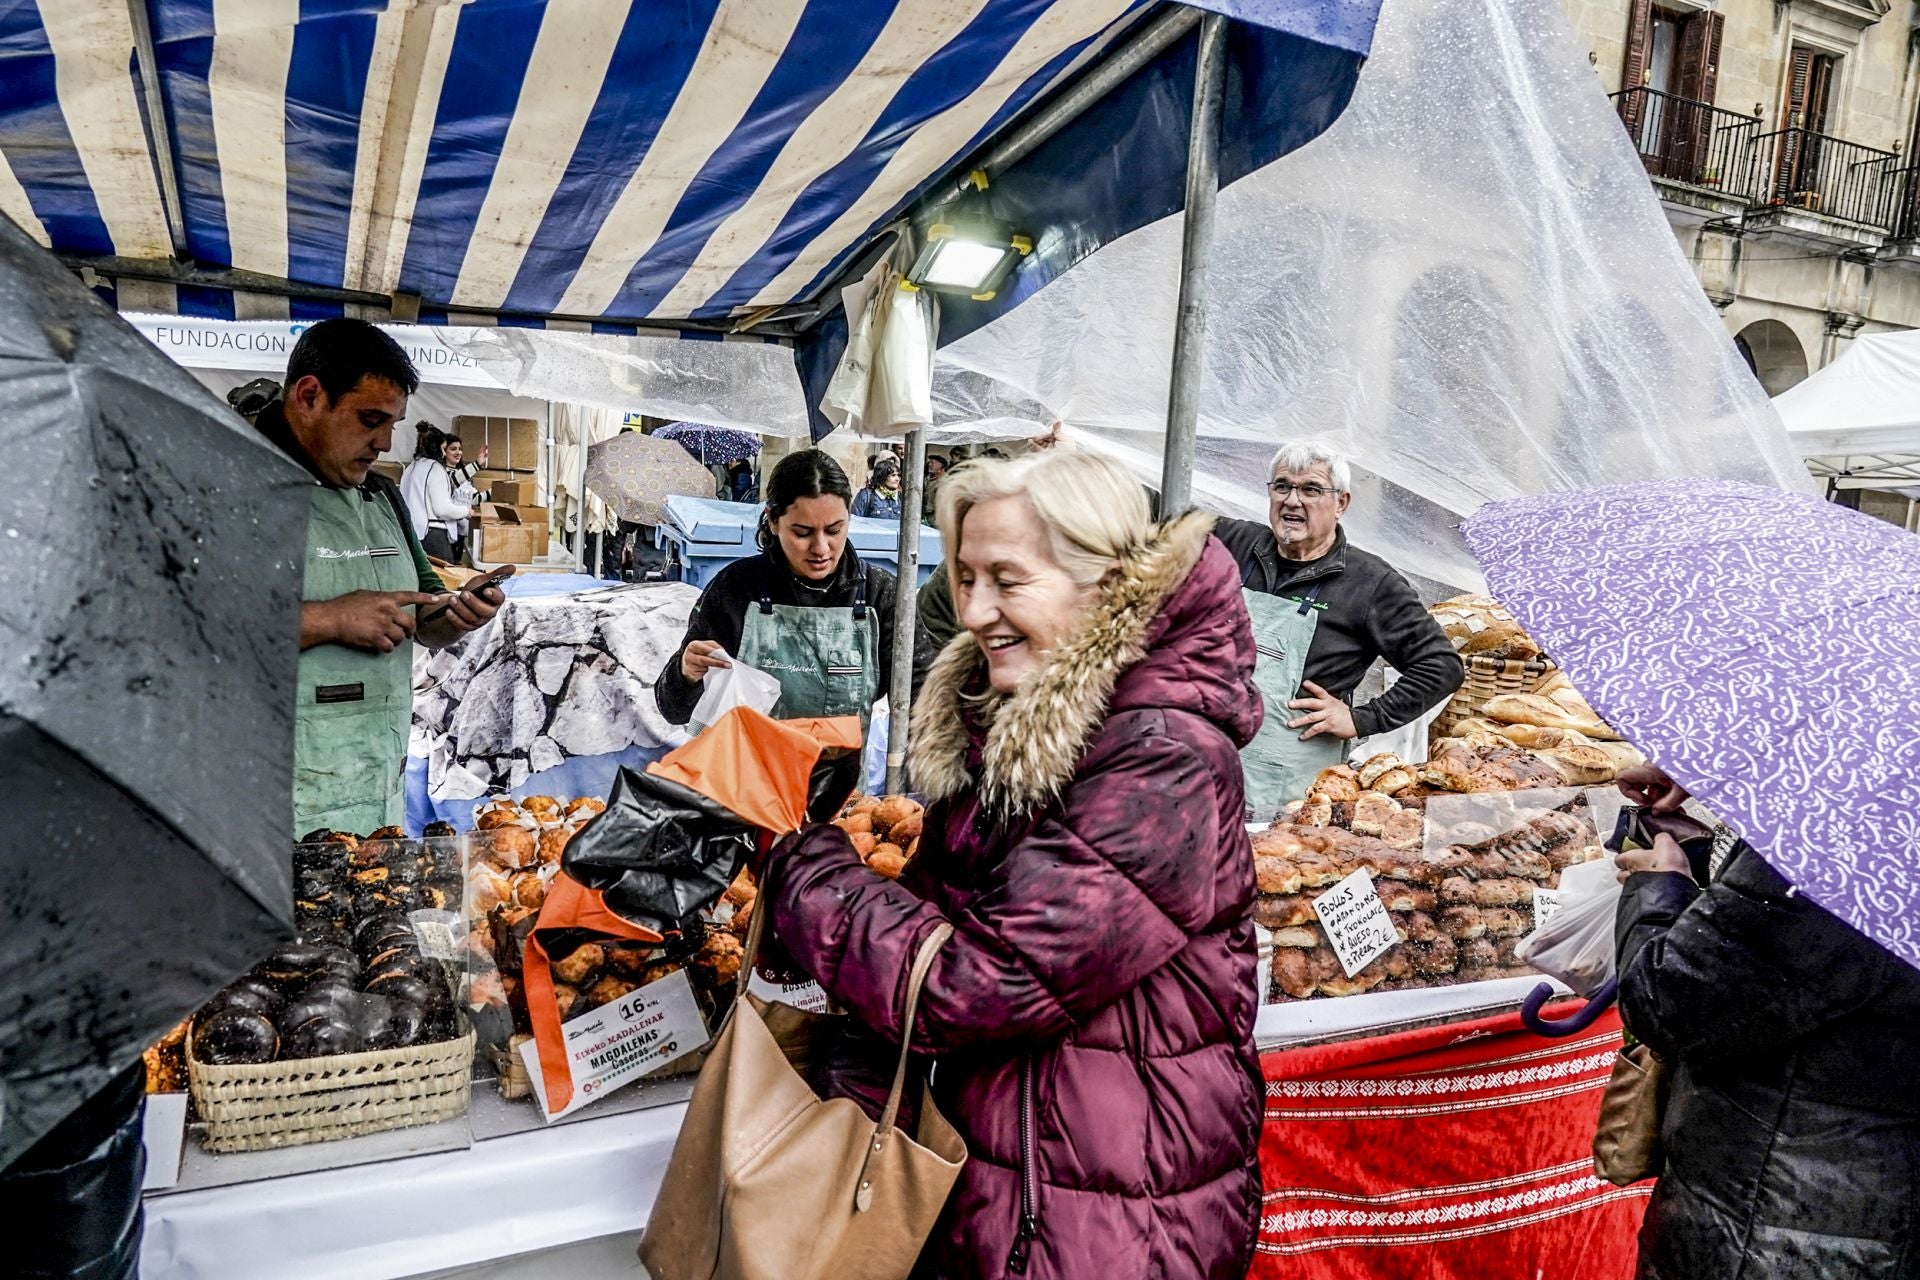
(1532,709)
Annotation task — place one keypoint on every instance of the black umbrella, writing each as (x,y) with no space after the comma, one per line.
(150,562)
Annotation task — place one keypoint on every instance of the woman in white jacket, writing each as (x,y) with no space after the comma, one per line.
(440,496)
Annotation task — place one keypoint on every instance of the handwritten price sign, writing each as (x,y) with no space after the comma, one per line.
(1356,921)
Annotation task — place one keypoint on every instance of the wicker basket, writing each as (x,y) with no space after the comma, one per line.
(1488,678)
(285,1104)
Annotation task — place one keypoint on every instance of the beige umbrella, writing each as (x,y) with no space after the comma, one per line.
(636,474)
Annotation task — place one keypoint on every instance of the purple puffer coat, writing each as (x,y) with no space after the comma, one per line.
(1086,841)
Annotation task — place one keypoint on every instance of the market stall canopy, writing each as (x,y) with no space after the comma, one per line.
(607,161)
(1466,284)
(149,593)
(1860,415)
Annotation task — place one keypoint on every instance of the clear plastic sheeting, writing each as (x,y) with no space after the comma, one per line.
(751,385)
(1466,285)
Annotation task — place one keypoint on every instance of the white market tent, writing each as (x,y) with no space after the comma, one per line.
(1858,419)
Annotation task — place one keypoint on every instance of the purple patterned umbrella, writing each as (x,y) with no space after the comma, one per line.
(711,444)
(1762,647)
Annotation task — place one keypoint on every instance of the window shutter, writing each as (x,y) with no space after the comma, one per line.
(1786,166)
(1798,75)
(1633,73)
(1699,58)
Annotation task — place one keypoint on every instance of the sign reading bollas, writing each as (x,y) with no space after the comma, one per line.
(262,346)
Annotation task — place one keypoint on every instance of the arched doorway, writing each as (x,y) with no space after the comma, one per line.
(1773,353)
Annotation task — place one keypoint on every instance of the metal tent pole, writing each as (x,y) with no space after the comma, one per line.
(905,613)
(1190,325)
(580,434)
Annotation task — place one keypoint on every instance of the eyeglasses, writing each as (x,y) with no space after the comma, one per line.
(1307,492)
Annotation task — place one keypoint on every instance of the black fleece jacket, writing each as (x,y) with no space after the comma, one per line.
(1371,613)
(721,612)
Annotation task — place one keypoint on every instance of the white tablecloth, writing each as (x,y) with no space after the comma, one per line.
(495,1199)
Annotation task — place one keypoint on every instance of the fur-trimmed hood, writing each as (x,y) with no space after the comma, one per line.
(1169,630)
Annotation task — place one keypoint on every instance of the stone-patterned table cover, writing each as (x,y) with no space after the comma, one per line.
(555,678)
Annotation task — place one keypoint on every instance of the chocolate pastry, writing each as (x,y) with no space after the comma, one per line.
(398,1026)
(439,831)
(368,925)
(232,1038)
(411,990)
(323,1003)
(320,1038)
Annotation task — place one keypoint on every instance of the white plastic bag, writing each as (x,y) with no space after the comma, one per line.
(1575,945)
(736,686)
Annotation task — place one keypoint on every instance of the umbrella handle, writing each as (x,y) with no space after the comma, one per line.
(1573,1023)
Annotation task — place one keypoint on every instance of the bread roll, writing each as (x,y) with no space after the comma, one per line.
(1370,813)
(1273,875)
(1462,922)
(1283,910)
(1394,780)
(1507,922)
(1404,829)
(1371,771)
(1439,956)
(1336,783)
(1505,892)
(1398,895)
(1298,936)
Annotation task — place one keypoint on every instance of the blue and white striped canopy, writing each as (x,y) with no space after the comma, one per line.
(606,160)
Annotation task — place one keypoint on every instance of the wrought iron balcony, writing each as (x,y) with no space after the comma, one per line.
(1699,145)
(1801,169)
(1695,143)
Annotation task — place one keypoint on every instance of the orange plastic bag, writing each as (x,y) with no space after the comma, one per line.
(569,905)
(759,768)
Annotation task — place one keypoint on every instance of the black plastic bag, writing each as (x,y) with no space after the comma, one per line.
(835,778)
(660,852)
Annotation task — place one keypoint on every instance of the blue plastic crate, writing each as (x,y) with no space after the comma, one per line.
(708,535)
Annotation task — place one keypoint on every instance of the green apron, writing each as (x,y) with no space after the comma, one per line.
(354,709)
(826,660)
(1279,764)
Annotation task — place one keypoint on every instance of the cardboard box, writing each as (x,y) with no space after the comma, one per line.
(512,444)
(537,521)
(391,470)
(503,538)
(518,492)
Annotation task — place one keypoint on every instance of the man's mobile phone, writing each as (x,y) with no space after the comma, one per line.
(492,578)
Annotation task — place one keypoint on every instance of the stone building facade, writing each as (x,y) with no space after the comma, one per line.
(1781,137)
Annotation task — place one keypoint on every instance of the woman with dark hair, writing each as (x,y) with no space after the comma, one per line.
(880,500)
(439,498)
(805,610)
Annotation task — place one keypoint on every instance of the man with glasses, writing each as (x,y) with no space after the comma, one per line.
(1322,611)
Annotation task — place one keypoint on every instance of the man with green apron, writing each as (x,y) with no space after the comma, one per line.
(367,585)
(1323,610)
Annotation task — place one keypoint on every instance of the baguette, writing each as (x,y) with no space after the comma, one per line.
(1545,713)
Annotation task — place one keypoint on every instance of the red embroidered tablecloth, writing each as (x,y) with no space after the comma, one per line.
(1462,1151)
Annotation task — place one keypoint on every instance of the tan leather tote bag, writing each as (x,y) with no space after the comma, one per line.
(1626,1143)
(768,1181)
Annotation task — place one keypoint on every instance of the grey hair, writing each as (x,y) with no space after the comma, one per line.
(1298,456)
(1093,511)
